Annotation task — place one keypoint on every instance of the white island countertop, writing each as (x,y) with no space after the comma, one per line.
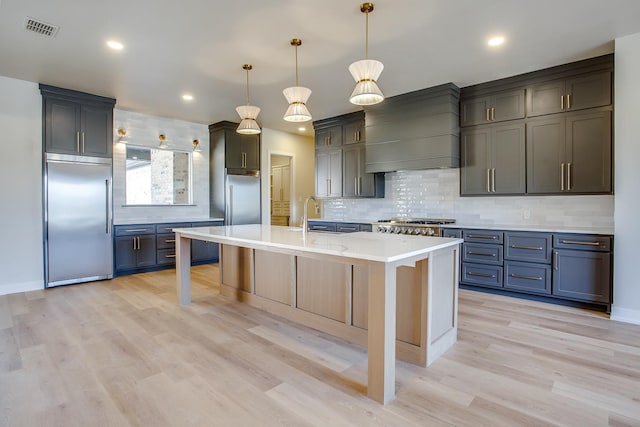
(363,245)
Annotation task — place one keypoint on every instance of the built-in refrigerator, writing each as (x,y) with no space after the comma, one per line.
(242,198)
(77,219)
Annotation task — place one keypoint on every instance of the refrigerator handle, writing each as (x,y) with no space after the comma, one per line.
(108,205)
(230,219)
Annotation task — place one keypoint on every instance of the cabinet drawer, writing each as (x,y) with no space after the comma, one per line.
(366,227)
(135,230)
(455,233)
(347,227)
(583,242)
(527,277)
(168,228)
(533,247)
(166,241)
(484,275)
(166,256)
(322,226)
(483,236)
(483,254)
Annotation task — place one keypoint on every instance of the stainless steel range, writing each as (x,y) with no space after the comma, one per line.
(414,226)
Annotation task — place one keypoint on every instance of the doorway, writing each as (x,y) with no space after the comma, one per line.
(280,189)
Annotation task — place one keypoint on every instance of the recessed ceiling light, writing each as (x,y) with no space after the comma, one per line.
(496,41)
(187,97)
(302,128)
(115,45)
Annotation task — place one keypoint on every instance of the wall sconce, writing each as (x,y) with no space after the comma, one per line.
(196,146)
(122,133)
(163,142)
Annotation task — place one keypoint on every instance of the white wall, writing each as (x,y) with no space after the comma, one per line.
(302,151)
(144,130)
(626,296)
(21,263)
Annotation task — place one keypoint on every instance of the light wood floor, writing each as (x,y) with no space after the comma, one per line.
(123,352)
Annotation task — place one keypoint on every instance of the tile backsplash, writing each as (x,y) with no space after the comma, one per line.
(435,194)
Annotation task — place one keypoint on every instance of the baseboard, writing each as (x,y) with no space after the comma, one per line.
(625,315)
(14,288)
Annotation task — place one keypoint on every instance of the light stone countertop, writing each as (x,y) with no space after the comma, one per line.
(540,228)
(167,220)
(362,245)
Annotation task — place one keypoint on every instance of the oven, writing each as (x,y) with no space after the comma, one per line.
(413,226)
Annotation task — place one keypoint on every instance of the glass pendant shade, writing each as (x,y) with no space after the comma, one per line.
(248,114)
(366,73)
(297,97)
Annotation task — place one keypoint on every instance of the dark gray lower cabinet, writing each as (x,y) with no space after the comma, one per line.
(339,227)
(582,275)
(150,247)
(566,266)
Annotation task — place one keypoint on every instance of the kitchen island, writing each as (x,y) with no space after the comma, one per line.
(368,288)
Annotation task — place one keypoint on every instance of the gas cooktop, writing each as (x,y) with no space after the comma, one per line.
(417,221)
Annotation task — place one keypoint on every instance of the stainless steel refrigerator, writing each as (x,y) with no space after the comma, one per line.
(77,220)
(242,198)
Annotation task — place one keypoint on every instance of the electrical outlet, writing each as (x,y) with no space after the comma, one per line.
(526,214)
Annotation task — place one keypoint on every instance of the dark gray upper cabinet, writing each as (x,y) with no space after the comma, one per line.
(501,106)
(572,94)
(353,133)
(77,123)
(329,173)
(329,137)
(356,183)
(493,160)
(569,153)
(238,151)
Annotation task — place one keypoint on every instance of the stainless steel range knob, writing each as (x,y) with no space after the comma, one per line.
(431,232)
(381,229)
(416,231)
(397,230)
(424,232)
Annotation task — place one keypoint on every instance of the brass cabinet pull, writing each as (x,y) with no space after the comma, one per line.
(481,236)
(561,176)
(493,114)
(575,242)
(568,101)
(488,118)
(568,176)
(531,248)
(170,240)
(170,256)
(493,180)
(471,273)
(359,186)
(488,178)
(518,276)
(562,102)
(83,142)
(481,254)
(135,230)
(78,142)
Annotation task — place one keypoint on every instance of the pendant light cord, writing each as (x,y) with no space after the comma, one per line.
(296,65)
(248,87)
(366,37)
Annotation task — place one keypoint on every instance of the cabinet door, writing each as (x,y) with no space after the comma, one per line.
(475,111)
(508,159)
(276,184)
(62,126)
(125,256)
(507,105)
(588,152)
(329,137)
(474,162)
(286,183)
(251,150)
(146,254)
(233,150)
(322,173)
(546,98)
(202,251)
(366,181)
(589,91)
(353,133)
(582,275)
(96,138)
(545,155)
(335,173)
(350,171)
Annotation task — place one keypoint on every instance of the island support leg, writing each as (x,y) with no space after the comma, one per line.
(183,268)
(382,332)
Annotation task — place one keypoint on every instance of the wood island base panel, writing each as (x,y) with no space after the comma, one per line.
(395,295)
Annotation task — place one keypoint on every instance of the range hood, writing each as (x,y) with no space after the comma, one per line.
(415,130)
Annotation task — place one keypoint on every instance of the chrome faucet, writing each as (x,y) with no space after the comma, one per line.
(305,218)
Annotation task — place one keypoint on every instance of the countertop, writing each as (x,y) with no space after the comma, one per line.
(167,220)
(362,245)
(541,228)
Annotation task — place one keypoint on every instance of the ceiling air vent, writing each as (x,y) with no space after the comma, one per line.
(41,27)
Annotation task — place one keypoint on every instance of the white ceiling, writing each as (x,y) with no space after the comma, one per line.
(199,46)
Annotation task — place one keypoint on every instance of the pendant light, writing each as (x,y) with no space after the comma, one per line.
(366,71)
(248,113)
(297,96)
